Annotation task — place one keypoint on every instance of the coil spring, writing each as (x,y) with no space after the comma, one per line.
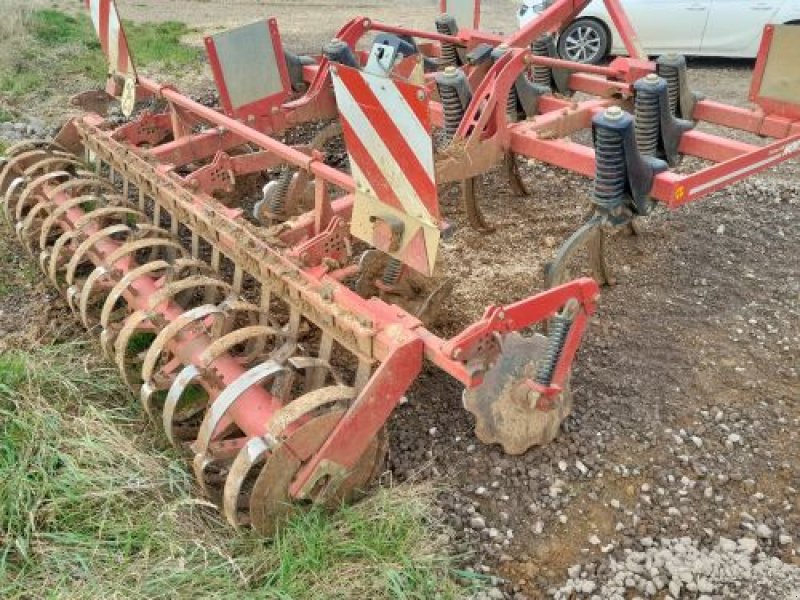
(512,105)
(453,109)
(391,273)
(672,75)
(449,51)
(277,203)
(609,181)
(647,122)
(541,74)
(559,328)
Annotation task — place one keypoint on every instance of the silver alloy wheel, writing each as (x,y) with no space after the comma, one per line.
(583,44)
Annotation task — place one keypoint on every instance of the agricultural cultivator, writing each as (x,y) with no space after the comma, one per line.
(273,339)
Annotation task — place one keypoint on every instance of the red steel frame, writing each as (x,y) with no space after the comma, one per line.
(400,341)
(733,160)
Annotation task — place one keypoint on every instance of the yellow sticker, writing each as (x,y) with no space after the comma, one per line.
(128,100)
(680,192)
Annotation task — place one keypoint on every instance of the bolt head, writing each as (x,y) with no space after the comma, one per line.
(652,78)
(450,70)
(614,113)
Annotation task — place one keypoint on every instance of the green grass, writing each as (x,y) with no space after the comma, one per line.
(53,28)
(63,47)
(92,506)
(161,43)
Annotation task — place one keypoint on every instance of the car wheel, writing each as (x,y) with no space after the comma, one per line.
(584,41)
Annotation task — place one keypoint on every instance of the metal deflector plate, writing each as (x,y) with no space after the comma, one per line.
(782,74)
(249,67)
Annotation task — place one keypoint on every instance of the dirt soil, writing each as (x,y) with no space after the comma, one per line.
(687,388)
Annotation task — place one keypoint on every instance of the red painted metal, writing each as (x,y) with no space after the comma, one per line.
(252,411)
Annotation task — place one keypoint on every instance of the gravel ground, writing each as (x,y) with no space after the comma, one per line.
(676,476)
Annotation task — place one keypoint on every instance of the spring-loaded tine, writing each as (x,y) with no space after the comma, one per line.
(511,167)
(469,193)
(591,237)
(185,378)
(252,454)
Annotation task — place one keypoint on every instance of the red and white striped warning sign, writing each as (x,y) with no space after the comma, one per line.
(112,37)
(387,131)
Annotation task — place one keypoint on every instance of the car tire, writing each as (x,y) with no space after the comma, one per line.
(584,41)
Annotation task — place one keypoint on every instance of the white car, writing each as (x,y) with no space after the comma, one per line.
(693,27)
